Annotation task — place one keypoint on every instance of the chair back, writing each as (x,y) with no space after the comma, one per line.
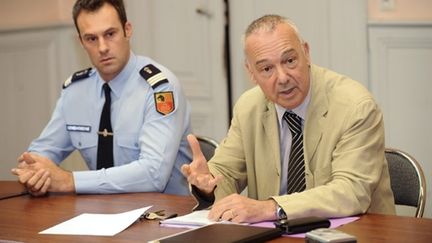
(407,180)
(208,146)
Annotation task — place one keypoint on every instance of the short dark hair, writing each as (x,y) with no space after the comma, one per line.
(94,5)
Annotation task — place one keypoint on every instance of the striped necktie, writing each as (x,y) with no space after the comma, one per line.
(296,166)
(105,157)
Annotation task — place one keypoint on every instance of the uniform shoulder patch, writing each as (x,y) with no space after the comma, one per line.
(164,102)
(77,76)
(153,75)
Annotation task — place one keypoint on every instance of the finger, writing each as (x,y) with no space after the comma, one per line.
(208,182)
(197,154)
(15,171)
(233,215)
(222,215)
(215,215)
(193,180)
(41,182)
(36,193)
(23,165)
(20,158)
(223,205)
(31,183)
(28,158)
(226,216)
(205,181)
(23,175)
(185,169)
(218,209)
(47,184)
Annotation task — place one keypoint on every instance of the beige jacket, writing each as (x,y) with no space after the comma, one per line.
(346,170)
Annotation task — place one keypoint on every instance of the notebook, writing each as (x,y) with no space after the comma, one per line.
(223,233)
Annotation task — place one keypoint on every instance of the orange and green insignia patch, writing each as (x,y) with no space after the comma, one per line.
(164,102)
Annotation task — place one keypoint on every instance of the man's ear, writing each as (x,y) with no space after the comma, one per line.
(128,30)
(306,52)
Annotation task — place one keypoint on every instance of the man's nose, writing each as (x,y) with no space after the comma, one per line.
(103,47)
(282,75)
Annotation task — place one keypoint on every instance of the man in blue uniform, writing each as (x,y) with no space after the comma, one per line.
(127,116)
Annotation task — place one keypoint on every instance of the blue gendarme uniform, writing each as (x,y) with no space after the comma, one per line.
(150,120)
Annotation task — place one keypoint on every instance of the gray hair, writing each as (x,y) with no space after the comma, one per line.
(268,23)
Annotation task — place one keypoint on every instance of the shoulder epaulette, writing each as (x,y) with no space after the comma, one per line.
(153,75)
(77,76)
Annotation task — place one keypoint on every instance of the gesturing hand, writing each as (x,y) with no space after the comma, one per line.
(197,172)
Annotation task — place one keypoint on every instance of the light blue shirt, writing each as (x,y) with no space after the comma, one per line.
(149,148)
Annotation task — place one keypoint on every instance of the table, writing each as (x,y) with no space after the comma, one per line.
(21,218)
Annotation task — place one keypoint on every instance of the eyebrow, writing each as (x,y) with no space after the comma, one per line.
(288,52)
(104,32)
(285,53)
(261,61)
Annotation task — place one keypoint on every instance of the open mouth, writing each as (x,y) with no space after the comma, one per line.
(287,91)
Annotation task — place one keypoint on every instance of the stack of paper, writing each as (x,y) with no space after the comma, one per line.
(192,220)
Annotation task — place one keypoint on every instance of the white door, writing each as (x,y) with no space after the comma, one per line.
(33,66)
(401,71)
(188,38)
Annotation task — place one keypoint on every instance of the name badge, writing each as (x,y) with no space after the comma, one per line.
(78,128)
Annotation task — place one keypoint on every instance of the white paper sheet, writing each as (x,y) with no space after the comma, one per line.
(196,218)
(192,220)
(96,224)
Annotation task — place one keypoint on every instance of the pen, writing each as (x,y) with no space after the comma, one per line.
(23,193)
(171,216)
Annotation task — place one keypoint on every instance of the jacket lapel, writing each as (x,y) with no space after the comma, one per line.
(315,117)
(269,122)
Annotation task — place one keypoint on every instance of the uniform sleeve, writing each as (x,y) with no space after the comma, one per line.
(54,141)
(160,138)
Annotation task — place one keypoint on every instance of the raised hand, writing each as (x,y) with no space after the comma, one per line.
(197,172)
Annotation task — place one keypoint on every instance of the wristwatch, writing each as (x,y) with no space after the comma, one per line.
(280,213)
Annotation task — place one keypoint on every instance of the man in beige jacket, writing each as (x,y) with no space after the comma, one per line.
(345,171)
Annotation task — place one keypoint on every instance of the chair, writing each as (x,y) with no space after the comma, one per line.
(407,180)
(208,146)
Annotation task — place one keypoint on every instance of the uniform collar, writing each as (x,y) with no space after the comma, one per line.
(119,82)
